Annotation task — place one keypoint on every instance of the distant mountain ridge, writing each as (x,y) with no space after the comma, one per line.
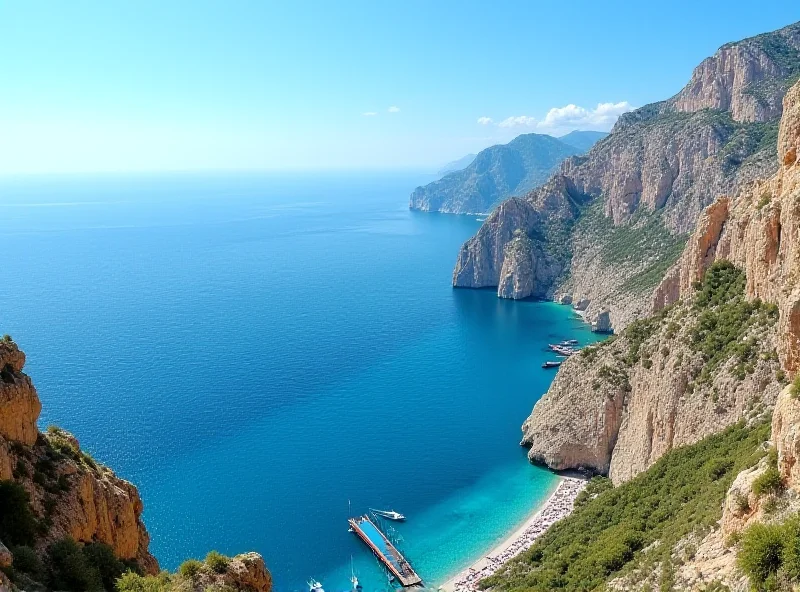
(496,173)
(583,140)
(456,165)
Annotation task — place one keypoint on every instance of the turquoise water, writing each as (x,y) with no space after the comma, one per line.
(258,352)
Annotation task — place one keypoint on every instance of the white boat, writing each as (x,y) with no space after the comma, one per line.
(390,514)
(353,578)
(314,586)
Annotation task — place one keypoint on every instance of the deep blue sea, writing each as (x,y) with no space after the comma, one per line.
(256,352)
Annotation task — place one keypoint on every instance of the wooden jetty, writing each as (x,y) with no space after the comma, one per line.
(385,551)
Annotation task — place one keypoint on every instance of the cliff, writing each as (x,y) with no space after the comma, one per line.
(495,174)
(758,231)
(68,495)
(712,350)
(640,190)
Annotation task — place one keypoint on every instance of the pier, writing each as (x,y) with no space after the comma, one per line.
(385,551)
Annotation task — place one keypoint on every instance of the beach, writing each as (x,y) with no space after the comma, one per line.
(557,506)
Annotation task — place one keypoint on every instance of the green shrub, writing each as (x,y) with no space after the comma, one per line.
(17,522)
(190,568)
(7,338)
(217,562)
(768,483)
(681,493)
(794,390)
(102,558)
(133,582)
(70,568)
(27,561)
(761,552)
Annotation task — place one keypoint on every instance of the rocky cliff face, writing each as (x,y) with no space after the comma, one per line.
(73,496)
(91,503)
(620,406)
(659,168)
(758,230)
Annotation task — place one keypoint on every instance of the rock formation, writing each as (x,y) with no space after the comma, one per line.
(72,495)
(757,230)
(618,407)
(646,184)
(92,503)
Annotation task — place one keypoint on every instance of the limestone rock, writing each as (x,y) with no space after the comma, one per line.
(786,437)
(18,399)
(565,299)
(617,417)
(758,230)
(602,324)
(249,572)
(659,168)
(582,304)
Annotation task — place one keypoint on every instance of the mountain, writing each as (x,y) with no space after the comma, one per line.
(456,165)
(69,523)
(690,412)
(496,173)
(604,229)
(583,141)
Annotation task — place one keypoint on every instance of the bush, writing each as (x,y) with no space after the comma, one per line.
(7,338)
(680,494)
(190,568)
(27,561)
(133,582)
(101,557)
(769,482)
(217,562)
(761,551)
(17,522)
(794,390)
(70,569)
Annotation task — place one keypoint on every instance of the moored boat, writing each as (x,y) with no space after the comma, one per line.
(389,514)
(550,364)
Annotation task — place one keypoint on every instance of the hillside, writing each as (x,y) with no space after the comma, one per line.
(69,523)
(690,413)
(496,173)
(607,225)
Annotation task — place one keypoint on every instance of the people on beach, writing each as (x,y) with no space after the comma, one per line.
(557,507)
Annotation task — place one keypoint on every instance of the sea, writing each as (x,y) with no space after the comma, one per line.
(265,355)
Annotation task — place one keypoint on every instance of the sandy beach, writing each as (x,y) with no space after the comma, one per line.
(557,506)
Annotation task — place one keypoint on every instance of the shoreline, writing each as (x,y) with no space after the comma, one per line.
(557,506)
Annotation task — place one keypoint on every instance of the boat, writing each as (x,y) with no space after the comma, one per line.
(550,364)
(314,586)
(569,342)
(353,578)
(562,350)
(389,514)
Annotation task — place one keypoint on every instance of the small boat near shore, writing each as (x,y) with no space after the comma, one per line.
(551,364)
(563,350)
(388,514)
(314,586)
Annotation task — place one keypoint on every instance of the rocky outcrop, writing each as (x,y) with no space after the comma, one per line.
(737,78)
(618,407)
(243,572)
(92,504)
(496,173)
(74,496)
(758,230)
(18,398)
(602,323)
(651,179)
(786,437)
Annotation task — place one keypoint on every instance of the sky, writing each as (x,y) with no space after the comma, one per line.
(255,85)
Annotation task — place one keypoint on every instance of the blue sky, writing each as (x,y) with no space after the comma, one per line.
(177,85)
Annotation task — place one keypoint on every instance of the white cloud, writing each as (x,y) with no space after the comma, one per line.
(393,109)
(567,118)
(518,121)
(369,114)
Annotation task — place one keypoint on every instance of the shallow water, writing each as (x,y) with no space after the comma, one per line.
(263,354)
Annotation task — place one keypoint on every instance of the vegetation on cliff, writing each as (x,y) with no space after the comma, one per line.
(614,530)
